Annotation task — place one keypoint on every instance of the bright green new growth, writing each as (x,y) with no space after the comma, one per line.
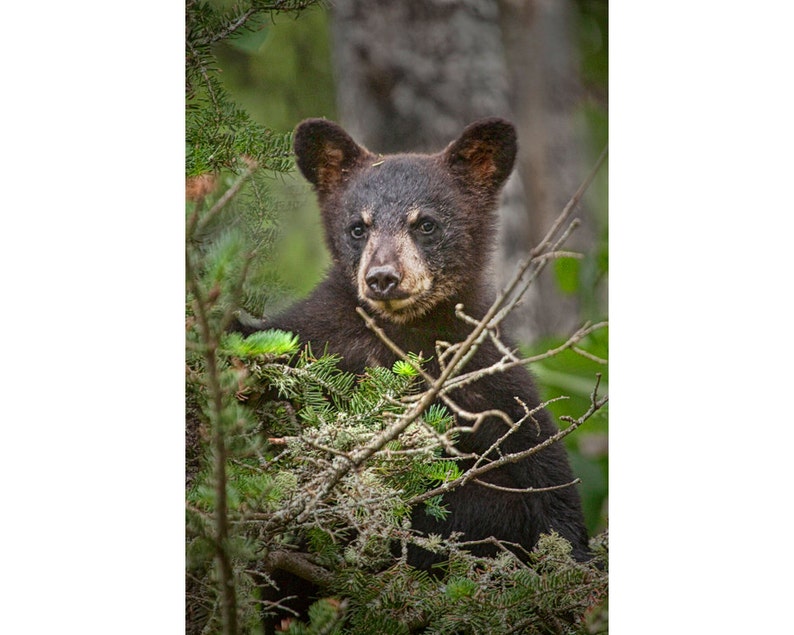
(259,344)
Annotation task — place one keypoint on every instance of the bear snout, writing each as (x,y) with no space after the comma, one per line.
(383,282)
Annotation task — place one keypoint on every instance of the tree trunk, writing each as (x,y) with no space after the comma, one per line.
(411,75)
(540,42)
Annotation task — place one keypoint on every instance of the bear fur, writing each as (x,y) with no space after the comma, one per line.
(410,236)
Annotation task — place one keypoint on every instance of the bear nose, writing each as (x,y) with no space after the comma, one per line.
(382,280)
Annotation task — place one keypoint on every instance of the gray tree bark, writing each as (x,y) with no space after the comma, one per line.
(540,42)
(411,75)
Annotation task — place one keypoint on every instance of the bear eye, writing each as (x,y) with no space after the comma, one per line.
(358,230)
(427,227)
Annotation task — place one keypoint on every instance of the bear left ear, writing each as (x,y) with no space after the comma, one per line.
(326,154)
(484,153)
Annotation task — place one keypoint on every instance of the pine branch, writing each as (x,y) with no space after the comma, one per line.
(218,133)
(229,605)
(227,26)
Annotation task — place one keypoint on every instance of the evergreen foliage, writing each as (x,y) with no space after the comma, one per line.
(290,459)
(217,131)
(320,415)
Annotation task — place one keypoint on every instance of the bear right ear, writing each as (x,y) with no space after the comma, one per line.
(326,154)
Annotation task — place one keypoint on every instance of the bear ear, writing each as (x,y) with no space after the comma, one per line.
(484,153)
(325,153)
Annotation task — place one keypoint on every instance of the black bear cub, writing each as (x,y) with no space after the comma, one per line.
(410,236)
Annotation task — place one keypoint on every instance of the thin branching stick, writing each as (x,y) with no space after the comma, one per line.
(595,404)
(501,366)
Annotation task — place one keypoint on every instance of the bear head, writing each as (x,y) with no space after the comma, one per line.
(408,230)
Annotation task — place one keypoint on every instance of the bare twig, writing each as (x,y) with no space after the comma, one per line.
(543,246)
(502,545)
(526,490)
(589,355)
(502,366)
(595,405)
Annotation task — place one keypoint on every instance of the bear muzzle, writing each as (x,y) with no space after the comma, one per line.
(392,295)
(393,278)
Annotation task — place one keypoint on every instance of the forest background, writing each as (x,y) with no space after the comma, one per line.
(699,308)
